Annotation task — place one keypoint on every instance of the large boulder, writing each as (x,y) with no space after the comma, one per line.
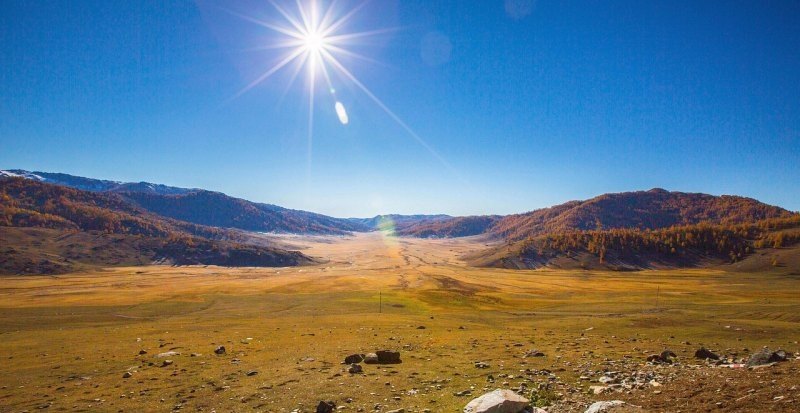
(498,401)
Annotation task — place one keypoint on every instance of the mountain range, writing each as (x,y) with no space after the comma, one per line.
(191,225)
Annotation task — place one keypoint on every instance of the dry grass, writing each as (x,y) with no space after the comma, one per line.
(67,340)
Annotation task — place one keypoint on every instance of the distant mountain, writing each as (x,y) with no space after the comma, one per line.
(450,227)
(219,210)
(114,232)
(656,208)
(95,185)
(203,207)
(396,220)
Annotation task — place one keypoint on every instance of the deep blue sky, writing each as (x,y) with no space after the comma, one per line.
(574,99)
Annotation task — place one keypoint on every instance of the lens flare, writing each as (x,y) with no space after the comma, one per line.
(342,113)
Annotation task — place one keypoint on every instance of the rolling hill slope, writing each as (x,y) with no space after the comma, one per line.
(203,207)
(51,229)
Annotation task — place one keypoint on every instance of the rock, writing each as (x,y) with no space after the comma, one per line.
(219,350)
(126,375)
(481,365)
(168,354)
(396,411)
(142,352)
(498,401)
(354,358)
(166,363)
(388,357)
(533,353)
(664,357)
(326,407)
(766,356)
(421,328)
(371,358)
(252,373)
(704,353)
(598,407)
(355,369)
(598,389)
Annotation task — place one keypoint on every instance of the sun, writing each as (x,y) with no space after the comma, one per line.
(314,42)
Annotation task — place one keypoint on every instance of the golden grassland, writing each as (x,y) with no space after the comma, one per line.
(65,341)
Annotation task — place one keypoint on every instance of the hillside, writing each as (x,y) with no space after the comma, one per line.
(203,207)
(219,210)
(651,209)
(65,227)
(94,185)
(743,246)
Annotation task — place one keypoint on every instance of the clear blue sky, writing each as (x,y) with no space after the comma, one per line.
(529,107)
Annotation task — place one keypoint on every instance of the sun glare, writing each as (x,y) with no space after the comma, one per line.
(314,42)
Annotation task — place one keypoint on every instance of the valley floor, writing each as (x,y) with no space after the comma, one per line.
(66,341)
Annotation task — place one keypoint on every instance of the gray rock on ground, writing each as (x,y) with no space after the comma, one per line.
(607,406)
(766,356)
(498,401)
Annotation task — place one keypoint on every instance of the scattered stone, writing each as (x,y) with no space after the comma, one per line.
(704,353)
(127,375)
(481,365)
(326,407)
(252,373)
(166,363)
(371,358)
(354,358)
(421,328)
(355,369)
(142,352)
(219,350)
(462,393)
(396,411)
(498,401)
(599,407)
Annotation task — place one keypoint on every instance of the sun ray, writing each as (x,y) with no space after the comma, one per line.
(307,22)
(268,73)
(301,32)
(355,55)
(351,36)
(344,19)
(262,23)
(386,109)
